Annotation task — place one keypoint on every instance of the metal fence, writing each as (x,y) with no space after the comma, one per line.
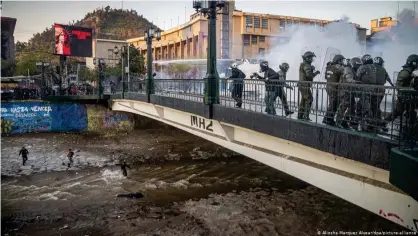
(356,107)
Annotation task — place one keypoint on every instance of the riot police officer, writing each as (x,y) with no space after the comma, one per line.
(404,79)
(333,74)
(237,84)
(367,75)
(382,77)
(306,74)
(271,80)
(284,68)
(347,94)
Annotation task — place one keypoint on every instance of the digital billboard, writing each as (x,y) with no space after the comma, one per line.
(73,40)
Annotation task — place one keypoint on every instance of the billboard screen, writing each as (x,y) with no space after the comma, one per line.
(73,40)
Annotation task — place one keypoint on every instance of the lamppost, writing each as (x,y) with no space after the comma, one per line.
(149,34)
(209,9)
(42,65)
(123,54)
(101,64)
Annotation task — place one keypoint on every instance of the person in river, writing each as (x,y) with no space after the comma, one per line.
(70,156)
(24,152)
(123,167)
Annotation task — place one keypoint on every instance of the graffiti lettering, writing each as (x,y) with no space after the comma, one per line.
(3,110)
(201,123)
(387,215)
(110,120)
(19,109)
(41,108)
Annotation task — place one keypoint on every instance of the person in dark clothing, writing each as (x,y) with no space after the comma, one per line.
(24,152)
(307,73)
(112,87)
(237,84)
(70,156)
(271,80)
(123,167)
(334,72)
(284,67)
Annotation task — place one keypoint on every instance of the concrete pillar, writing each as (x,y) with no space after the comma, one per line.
(182,49)
(200,44)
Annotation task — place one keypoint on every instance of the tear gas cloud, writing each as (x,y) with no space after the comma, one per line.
(341,37)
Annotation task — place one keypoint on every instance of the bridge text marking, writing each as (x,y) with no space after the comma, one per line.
(201,123)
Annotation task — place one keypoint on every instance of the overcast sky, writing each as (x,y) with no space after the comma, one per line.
(35,16)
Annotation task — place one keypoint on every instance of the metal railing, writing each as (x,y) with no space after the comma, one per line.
(355,107)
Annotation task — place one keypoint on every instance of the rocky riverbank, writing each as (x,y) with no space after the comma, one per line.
(190,187)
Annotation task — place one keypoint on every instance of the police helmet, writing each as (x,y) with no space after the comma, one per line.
(284,66)
(234,66)
(412,60)
(264,64)
(378,61)
(355,62)
(367,59)
(338,59)
(308,54)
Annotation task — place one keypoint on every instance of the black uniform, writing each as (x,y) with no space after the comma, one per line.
(238,85)
(24,152)
(123,167)
(271,80)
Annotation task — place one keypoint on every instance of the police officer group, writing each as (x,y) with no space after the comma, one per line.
(345,80)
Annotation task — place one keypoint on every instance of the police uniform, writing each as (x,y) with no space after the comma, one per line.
(281,93)
(306,74)
(347,97)
(333,74)
(367,75)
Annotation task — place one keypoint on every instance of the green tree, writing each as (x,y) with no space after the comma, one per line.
(136,61)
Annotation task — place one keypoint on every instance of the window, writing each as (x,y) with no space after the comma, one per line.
(296,23)
(256,22)
(249,20)
(246,39)
(110,54)
(264,23)
(282,24)
(254,39)
(261,39)
(289,22)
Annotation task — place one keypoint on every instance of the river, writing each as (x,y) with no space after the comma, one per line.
(190,187)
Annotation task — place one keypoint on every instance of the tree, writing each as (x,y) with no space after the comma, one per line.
(136,61)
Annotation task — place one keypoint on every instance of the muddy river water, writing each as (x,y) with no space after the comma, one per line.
(190,187)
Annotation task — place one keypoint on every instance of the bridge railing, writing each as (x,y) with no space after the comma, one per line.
(380,100)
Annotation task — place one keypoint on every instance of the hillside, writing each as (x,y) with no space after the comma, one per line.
(107,23)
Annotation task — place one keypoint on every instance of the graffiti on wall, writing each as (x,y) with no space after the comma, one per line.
(25,117)
(115,119)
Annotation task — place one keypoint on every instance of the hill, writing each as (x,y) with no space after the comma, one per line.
(107,23)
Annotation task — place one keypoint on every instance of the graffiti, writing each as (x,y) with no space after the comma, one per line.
(386,215)
(111,120)
(201,123)
(26,117)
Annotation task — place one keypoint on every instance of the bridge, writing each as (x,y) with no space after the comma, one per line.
(376,170)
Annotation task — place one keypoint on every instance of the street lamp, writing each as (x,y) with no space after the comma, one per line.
(149,35)
(209,9)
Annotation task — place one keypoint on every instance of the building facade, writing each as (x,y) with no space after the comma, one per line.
(7,45)
(377,25)
(105,48)
(239,35)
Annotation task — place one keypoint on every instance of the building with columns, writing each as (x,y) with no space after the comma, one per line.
(239,35)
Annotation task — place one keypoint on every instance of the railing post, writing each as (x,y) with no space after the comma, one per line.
(212,77)
(150,81)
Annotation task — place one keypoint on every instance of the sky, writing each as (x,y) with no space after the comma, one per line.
(35,16)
